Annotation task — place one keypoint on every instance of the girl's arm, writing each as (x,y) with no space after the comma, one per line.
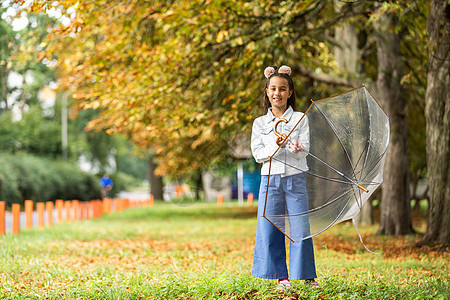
(262,150)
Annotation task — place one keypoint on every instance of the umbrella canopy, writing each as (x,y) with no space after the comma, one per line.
(345,152)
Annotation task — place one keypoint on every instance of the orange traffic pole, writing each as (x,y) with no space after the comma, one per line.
(179,191)
(220,199)
(88,210)
(82,210)
(16,218)
(59,207)
(67,205)
(91,209)
(49,208)
(152,200)
(250,199)
(40,210)
(108,205)
(98,206)
(29,214)
(75,204)
(93,203)
(2,217)
(117,204)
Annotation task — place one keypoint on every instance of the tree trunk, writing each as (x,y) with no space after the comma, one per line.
(395,203)
(156,184)
(437,112)
(348,58)
(4,85)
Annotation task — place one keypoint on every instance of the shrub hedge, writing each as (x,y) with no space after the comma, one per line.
(25,177)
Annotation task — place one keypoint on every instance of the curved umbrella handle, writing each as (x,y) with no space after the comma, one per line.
(281,135)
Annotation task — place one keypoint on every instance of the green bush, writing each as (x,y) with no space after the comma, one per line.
(122,181)
(25,177)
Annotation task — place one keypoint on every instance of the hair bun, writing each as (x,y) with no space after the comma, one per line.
(285,70)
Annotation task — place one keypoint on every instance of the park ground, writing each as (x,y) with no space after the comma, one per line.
(203,251)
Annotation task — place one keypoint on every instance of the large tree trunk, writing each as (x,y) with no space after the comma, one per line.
(437,112)
(348,57)
(4,86)
(156,183)
(395,206)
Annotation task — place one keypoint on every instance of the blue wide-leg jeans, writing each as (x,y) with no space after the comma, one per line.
(269,260)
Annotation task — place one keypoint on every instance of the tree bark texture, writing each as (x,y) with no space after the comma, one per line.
(437,112)
(395,206)
(4,86)
(156,183)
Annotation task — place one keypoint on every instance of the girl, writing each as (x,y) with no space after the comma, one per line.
(269,259)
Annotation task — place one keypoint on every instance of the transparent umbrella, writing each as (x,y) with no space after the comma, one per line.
(345,153)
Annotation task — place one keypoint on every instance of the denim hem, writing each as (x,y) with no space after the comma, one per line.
(311,276)
(271,277)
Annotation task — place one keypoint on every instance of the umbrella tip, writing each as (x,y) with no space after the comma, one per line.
(363,188)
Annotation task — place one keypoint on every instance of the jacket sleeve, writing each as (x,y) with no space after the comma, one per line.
(262,150)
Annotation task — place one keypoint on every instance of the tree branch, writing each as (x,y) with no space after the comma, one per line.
(326,78)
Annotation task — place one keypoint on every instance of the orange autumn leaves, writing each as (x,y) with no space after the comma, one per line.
(182,78)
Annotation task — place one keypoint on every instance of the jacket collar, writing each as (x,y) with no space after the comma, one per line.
(287,114)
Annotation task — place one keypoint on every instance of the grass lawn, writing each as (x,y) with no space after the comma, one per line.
(204,251)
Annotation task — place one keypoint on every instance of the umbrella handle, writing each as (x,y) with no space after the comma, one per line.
(281,135)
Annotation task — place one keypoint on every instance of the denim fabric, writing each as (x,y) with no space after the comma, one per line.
(269,260)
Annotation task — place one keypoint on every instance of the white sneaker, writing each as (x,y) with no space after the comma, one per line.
(283,285)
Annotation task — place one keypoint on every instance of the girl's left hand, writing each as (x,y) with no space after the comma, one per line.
(296,146)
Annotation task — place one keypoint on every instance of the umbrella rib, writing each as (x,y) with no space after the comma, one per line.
(331,224)
(319,176)
(319,207)
(337,136)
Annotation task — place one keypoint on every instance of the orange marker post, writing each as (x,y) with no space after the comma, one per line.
(2,217)
(94,208)
(40,206)
(29,214)
(179,190)
(82,210)
(152,200)
(49,209)
(250,199)
(117,205)
(98,207)
(59,207)
(16,218)
(75,205)
(220,199)
(67,206)
(89,210)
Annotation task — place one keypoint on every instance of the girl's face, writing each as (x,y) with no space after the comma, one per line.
(278,92)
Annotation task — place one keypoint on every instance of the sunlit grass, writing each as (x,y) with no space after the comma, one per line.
(204,252)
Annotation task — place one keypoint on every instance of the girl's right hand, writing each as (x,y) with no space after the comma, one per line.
(282,140)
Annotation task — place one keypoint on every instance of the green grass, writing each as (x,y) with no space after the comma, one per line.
(204,252)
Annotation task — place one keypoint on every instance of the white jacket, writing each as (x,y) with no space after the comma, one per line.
(263,143)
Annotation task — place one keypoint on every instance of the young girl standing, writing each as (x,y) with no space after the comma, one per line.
(269,261)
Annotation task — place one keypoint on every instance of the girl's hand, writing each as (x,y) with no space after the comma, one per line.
(296,146)
(282,140)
